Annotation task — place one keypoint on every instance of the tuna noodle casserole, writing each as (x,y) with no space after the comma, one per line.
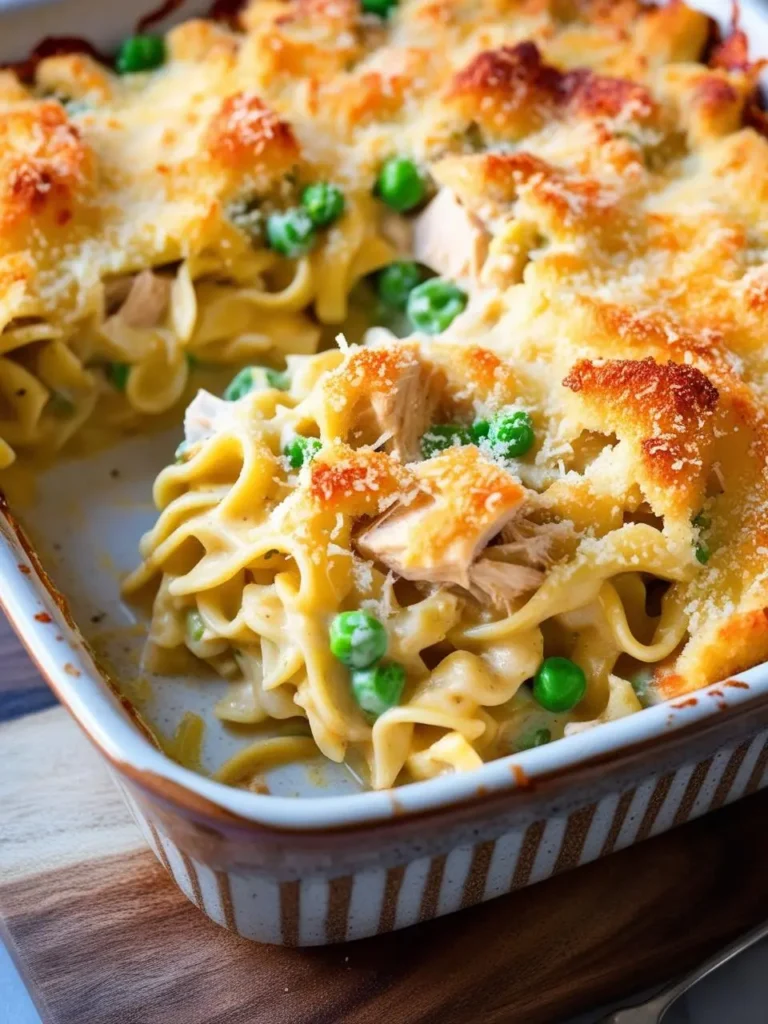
(525,491)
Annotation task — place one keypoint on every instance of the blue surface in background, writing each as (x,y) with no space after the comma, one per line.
(15,703)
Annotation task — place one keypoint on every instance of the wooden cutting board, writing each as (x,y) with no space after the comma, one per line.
(103,937)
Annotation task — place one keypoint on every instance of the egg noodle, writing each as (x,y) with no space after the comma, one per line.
(541,505)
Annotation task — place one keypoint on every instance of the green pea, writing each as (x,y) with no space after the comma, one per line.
(357,639)
(479,430)
(703,554)
(323,202)
(195,625)
(378,688)
(255,378)
(396,282)
(701,550)
(640,683)
(537,739)
(400,184)
(435,304)
(291,233)
(442,436)
(193,363)
(512,435)
(381,8)
(559,684)
(140,53)
(117,375)
(301,449)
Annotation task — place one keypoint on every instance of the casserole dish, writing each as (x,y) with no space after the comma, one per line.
(314,862)
(311,870)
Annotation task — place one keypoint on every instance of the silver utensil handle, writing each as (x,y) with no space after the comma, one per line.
(651,1012)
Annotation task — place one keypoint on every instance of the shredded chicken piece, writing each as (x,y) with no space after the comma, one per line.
(403,413)
(146,301)
(466,499)
(502,582)
(449,239)
(205,415)
(532,544)
(399,232)
(116,291)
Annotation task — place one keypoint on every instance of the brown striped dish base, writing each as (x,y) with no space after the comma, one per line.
(329,907)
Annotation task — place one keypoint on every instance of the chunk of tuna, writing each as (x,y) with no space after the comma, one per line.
(449,239)
(464,501)
(502,583)
(146,301)
(204,416)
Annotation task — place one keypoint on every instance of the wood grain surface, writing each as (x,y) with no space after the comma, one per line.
(103,937)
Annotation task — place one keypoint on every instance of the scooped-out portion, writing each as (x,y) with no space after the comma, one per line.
(417,550)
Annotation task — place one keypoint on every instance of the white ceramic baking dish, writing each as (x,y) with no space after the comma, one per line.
(316,860)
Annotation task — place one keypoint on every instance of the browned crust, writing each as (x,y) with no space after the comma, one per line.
(45,167)
(245,135)
(368,371)
(668,391)
(506,89)
(669,406)
(511,89)
(355,482)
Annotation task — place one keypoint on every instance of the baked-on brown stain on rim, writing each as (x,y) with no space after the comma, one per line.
(527,854)
(53,46)
(618,820)
(28,548)
(576,831)
(655,802)
(692,790)
(225,898)
(129,709)
(337,915)
(730,772)
(290,894)
(392,888)
(474,885)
